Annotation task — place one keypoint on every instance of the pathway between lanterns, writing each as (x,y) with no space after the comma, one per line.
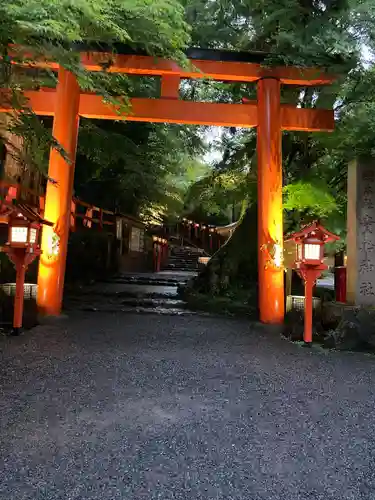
(129,406)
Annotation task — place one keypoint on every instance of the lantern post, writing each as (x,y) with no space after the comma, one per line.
(210,237)
(165,252)
(155,253)
(309,264)
(160,254)
(160,248)
(22,249)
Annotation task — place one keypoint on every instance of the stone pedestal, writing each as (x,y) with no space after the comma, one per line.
(361,233)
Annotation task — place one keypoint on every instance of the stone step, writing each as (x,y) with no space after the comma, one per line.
(172,267)
(184,254)
(182,261)
(116,292)
(174,257)
(148,281)
(144,310)
(132,305)
(128,301)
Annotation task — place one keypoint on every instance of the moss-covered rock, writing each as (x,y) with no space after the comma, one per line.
(232,271)
(221,304)
(355,330)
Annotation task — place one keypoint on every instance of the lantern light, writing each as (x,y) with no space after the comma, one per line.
(278,255)
(312,251)
(32,235)
(22,233)
(18,234)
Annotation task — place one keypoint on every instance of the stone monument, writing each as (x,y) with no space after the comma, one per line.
(361,233)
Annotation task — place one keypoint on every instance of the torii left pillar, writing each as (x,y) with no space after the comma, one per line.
(58,196)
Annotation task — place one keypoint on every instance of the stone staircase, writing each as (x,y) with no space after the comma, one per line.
(126,293)
(183,258)
(140,292)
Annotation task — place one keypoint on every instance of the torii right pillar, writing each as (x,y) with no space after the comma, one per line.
(270,203)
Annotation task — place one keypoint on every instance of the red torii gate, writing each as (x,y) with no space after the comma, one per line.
(67,104)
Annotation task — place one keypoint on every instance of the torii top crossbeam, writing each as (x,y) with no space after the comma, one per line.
(202,63)
(222,66)
(67,103)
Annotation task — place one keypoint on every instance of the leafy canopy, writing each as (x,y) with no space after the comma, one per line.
(146,162)
(137,168)
(53,29)
(324,33)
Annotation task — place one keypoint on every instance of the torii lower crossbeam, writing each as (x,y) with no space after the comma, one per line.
(168,110)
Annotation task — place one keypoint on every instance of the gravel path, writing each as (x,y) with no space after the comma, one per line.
(161,407)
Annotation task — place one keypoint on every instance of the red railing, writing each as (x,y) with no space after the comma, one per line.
(89,215)
(195,234)
(10,191)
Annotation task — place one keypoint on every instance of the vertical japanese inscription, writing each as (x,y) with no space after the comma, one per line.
(366,235)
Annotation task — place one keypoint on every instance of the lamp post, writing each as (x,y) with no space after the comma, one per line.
(309,264)
(165,252)
(210,237)
(159,252)
(155,253)
(22,248)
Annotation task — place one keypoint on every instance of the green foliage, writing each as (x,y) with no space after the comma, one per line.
(328,34)
(139,169)
(325,34)
(156,170)
(314,199)
(51,29)
(218,197)
(222,195)
(319,33)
